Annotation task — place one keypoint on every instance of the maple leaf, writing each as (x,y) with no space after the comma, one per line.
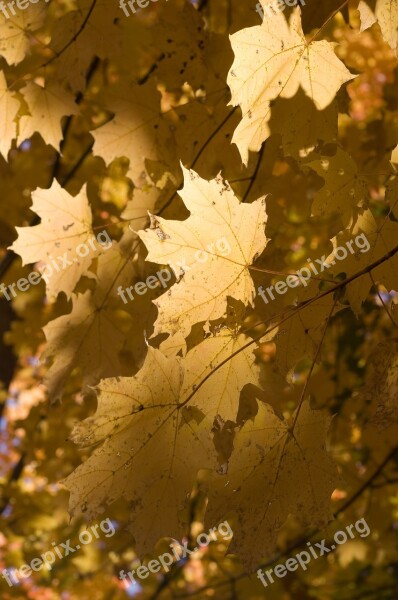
(144,200)
(219,395)
(380,238)
(381,386)
(343,191)
(302,333)
(93,335)
(156,128)
(385,13)
(152,448)
(66,223)
(137,132)
(185,392)
(9,107)
(47,105)
(88,338)
(96,29)
(301,125)
(273,60)
(204,283)
(182,60)
(14,32)
(278,467)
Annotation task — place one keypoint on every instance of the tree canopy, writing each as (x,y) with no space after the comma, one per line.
(199,282)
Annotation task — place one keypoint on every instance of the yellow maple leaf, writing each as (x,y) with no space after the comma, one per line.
(176,412)
(381,387)
(301,125)
(211,252)
(14,31)
(273,60)
(87,338)
(137,131)
(92,336)
(57,242)
(47,105)
(344,190)
(219,395)
(370,240)
(153,447)
(276,469)
(385,13)
(106,34)
(303,332)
